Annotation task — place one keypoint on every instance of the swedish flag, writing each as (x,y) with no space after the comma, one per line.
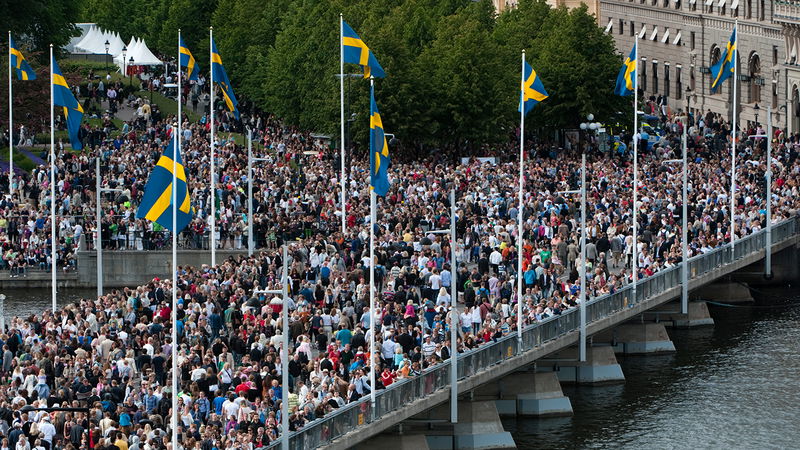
(724,68)
(18,63)
(357,52)
(156,204)
(187,60)
(532,89)
(73,111)
(221,78)
(378,150)
(626,80)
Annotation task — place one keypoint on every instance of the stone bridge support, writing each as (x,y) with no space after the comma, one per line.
(601,366)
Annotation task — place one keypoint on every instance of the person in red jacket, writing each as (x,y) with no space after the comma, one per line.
(387,377)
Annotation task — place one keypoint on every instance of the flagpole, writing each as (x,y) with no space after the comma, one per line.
(213,186)
(734,123)
(341,119)
(10,125)
(519,213)
(53,255)
(177,147)
(635,256)
(372,326)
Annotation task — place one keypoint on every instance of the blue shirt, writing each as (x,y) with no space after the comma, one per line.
(218,401)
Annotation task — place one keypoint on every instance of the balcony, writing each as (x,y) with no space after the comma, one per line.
(786,11)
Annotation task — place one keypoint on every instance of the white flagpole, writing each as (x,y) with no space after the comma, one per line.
(213,143)
(372,221)
(582,272)
(341,117)
(177,147)
(734,123)
(521,188)
(53,255)
(10,125)
(635,256)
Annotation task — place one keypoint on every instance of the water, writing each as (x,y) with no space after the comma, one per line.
(731,386)
(25,302)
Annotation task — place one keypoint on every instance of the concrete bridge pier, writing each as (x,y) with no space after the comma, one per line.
(527,394)
(601,366)
(479,427)
(636,338)
(670,315)
(724,291)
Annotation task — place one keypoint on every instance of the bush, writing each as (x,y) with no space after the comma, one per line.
(84,67)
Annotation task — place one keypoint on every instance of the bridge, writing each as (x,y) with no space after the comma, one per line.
(358,421)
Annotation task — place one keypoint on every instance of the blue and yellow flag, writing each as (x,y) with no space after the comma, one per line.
(221,78)
(378,150)
(73,111)
(626,80)
(187,60)
(724,68)
(357,52)
(18,63)
(156,204)
(532,89)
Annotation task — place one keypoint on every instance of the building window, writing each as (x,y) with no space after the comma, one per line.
(644,75)
(655,76)
(774,93)
(666,79)
(762,10)
(755,78)
(774,55)
(748,9)
(714,57)
(722,10)
(677,4)
(621,26)
(692,43)
(678,83)
(633,30)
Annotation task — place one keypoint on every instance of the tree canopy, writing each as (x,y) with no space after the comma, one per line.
(453,66)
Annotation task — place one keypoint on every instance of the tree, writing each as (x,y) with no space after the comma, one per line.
(39,23)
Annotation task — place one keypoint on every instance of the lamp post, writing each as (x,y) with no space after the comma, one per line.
(130,76)
(107,45)
(768,180)
(343,149)
(455,318)
(756,109)
(124,54)
(98,244)
(250,159)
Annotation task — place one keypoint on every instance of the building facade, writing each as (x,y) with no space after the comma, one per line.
(787,14)
(679,41)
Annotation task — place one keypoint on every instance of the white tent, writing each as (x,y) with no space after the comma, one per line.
(84,28)
(95,42)
(142,56)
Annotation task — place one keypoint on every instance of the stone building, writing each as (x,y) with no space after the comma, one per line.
(679,40)
(787,15)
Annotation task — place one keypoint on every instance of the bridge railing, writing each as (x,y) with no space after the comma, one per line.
(405,391)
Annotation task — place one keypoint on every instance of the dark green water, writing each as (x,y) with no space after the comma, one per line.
(736,385)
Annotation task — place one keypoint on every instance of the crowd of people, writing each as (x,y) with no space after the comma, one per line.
(111,355)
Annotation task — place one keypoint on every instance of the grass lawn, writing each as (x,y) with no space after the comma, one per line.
(168,106)
(20,159)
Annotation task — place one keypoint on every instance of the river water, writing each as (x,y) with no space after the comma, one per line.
(734,385)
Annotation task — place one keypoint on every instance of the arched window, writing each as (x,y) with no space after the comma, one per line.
(714,57)
(754,69)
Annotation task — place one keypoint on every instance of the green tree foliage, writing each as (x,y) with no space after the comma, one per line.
(36,24)
(453,66)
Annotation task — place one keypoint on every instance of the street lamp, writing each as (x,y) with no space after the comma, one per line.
(98,244)
(107,45)
(250,159)
(756,109)
(454,316)
(130,76)
(124,52)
